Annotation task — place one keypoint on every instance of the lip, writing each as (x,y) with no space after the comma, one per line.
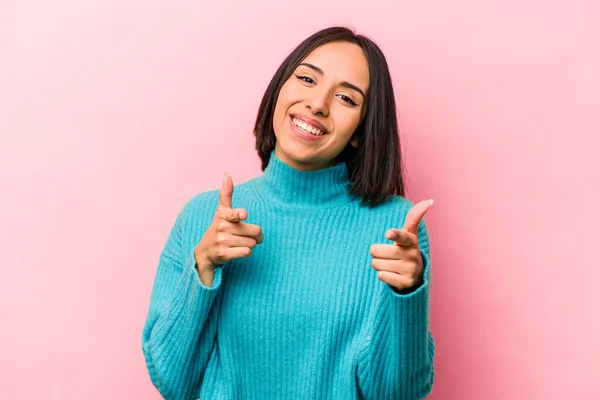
(310,121)
(304,135)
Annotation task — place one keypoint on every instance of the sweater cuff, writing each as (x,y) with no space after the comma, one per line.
(183,318)
(410,316)
(191,265)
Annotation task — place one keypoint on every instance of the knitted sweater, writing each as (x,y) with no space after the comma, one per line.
(305,316)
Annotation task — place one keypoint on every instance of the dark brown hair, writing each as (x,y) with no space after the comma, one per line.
(375,168)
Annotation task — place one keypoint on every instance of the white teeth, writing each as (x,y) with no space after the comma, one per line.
(306,127)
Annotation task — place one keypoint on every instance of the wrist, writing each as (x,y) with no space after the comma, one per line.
(203,264)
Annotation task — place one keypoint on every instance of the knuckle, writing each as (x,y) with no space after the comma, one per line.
(222,225)
(399,252)
(408,281)
(220,252)
(413,267)
(247,251)
(414,262)
(221,237)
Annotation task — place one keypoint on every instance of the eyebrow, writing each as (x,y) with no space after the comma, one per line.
(342,83)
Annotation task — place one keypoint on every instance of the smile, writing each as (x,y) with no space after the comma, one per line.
(307,127)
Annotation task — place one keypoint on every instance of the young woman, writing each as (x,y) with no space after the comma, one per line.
(297,292)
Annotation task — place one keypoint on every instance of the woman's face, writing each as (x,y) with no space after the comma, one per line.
(320,106)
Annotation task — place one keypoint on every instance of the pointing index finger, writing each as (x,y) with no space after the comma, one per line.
(226,192)
(414,216)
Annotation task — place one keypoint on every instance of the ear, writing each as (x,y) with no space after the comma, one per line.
(354,142)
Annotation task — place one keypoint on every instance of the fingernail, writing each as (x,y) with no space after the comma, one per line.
(430,202)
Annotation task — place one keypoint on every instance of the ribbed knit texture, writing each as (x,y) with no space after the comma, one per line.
(305,316)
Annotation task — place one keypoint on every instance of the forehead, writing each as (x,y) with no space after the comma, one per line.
(341,61)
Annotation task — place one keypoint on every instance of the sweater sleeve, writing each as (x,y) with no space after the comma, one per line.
(180,328)
(396,358)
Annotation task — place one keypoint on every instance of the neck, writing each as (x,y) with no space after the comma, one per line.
(288,186)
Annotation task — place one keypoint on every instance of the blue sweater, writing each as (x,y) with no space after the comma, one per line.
(305,316)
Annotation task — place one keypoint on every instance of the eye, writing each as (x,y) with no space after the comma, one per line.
(305,79)
(347,99)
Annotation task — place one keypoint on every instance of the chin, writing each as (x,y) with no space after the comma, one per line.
(296,152)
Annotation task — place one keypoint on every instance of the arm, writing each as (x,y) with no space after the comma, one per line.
(396,360)
(180,328)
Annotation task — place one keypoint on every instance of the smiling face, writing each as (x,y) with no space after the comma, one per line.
(320,106)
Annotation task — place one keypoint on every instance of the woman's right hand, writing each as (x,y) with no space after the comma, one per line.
(227,237)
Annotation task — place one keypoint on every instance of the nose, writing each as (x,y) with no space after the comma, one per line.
(319,102)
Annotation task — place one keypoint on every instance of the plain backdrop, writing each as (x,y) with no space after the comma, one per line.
(113,113)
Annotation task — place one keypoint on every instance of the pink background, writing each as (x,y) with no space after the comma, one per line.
(114,113)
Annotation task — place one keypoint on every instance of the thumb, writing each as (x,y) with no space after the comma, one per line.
(226,191)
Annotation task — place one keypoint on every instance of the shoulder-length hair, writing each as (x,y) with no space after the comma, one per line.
(375,168)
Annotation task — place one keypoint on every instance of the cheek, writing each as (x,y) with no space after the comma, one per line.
(281,108)
(348,121)
(284,99)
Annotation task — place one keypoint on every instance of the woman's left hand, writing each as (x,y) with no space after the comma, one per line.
(400,264)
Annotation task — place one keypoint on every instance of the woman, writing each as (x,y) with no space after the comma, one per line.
(297,292)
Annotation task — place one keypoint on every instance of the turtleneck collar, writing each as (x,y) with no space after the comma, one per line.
(286,185)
